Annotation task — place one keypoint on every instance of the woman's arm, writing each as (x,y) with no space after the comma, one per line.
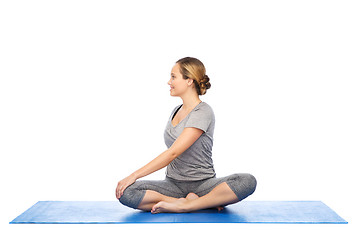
(182,143)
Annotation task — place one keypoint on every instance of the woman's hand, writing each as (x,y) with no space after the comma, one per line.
(123,184)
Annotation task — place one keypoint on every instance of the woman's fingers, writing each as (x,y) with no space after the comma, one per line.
(117,193)
(123,184)
(119,190)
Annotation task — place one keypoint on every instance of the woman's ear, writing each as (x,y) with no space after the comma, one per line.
(190,82)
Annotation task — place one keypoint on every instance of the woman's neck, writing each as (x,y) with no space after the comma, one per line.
(190,101)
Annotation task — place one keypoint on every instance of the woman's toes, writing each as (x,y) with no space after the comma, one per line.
(220,208)
(156,207)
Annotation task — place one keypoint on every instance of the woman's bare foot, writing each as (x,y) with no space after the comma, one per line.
(176,206)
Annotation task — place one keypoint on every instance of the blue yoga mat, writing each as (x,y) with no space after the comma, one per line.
(83,212)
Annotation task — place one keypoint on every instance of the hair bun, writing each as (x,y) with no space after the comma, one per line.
(204,84)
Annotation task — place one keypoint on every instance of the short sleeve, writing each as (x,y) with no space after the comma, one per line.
(200,118)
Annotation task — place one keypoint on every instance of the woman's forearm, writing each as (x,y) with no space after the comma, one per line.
(159,162)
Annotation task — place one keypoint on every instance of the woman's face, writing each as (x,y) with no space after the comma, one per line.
(178,85)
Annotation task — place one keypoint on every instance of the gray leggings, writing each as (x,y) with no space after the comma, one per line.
(242,185)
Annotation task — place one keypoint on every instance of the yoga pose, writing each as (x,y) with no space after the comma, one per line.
(190,182)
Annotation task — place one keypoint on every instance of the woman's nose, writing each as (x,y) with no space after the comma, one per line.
(169,82)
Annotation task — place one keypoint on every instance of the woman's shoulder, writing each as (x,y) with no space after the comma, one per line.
(204,107)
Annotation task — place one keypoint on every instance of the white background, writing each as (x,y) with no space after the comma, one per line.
(84,101)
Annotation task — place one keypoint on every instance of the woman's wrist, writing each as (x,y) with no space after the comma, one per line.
(134,175)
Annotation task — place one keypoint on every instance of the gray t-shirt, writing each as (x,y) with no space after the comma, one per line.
(196,162)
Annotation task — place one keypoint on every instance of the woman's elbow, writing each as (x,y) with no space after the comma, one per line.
(172,154)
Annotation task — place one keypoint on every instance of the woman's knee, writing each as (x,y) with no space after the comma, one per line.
(251,182)
(243,185)
(132,196)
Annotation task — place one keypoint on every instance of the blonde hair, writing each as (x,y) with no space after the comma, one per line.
(193,68)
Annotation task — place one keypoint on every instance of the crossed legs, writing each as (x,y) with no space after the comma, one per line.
(221,195)
(170,196)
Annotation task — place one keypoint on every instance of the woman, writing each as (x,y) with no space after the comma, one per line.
(190,182)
